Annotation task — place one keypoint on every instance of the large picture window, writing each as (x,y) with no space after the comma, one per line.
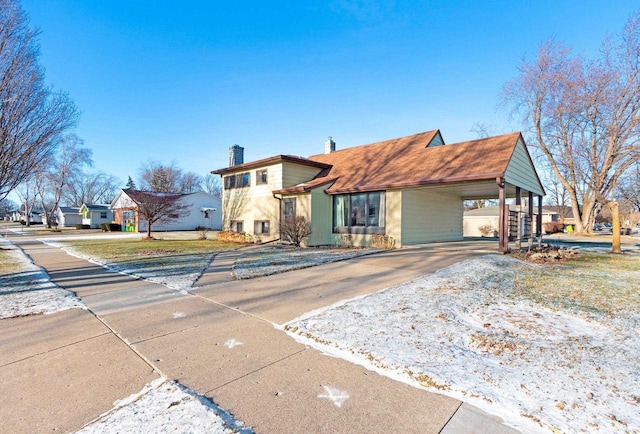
(359,212)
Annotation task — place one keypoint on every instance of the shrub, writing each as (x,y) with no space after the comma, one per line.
(487,231)
(111,227)
(381,241)
(295,230)
(553,227)
(203,230)
(233,237)
(80,226)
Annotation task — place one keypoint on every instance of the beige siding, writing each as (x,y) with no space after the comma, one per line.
(393,214)
(521,172)
(428,216)
(295,174)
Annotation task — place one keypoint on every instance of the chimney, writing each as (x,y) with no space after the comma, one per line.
(236,155)
(329,146)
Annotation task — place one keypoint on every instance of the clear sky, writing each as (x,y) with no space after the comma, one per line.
(184,80)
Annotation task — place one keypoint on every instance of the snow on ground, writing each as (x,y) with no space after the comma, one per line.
(165,407)
(274,260)
(27,290)
(465,331)
(179,272)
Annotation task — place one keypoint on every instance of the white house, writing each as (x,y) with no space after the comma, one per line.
(483,222)
(95,215)
(67,216)
(202,210)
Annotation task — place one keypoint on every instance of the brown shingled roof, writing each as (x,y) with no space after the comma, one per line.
(268,161)
(408,162)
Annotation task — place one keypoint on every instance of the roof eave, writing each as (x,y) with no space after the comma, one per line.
(421,183)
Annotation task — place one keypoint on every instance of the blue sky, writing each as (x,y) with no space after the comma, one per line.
(183,81)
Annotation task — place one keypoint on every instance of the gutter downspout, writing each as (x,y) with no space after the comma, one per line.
(279,214)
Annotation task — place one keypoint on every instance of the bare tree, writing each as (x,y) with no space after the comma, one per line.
(157,207)
(295,229)
(7,206)
(91,188)
(213,185)
(190,182)
(584,115)
(70,158)
(28,193)
(32,116)
(160,177)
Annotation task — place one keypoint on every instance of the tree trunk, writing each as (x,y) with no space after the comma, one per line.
(615,217)
(148,229)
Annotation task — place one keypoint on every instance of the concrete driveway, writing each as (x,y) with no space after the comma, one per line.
(60,371)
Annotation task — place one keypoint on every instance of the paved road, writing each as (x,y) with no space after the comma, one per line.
(59,372)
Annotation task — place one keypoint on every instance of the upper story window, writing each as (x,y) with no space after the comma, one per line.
(103,214)
(261,176)
(237,181)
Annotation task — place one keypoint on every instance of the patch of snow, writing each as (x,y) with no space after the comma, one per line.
(165,407)
(29,291)
(466,332)
(180,277)
(265,263)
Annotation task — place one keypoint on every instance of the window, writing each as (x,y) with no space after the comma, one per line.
(359,212)
(261,176)
(103,214)
(237,181)
(236,226)
(261,227)
(206,213)
(289,208)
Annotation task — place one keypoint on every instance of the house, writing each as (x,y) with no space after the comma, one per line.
(483,222)
(95,215)
(20,215)
(68,216)
(409,190)
(202,210)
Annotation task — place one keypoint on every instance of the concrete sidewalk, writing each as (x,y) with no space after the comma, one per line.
(219,341)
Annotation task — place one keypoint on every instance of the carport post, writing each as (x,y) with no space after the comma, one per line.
(530,211)
(539,221)
(503,218)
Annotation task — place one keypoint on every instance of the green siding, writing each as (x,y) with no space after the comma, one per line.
(521,172)
(321,218)
(428,216)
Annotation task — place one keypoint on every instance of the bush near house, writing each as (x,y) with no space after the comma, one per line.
(234,237)
(110,227)
(80,226)
(553,227)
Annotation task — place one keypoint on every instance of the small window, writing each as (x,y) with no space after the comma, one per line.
(236,226)
(261,227)
(261,176)
(103,214)
(206,213)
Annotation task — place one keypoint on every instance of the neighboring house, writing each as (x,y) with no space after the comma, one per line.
(483,222)
(20,215)
(203,210)
(565,214)
(410,189)
(95,215)
(68,217)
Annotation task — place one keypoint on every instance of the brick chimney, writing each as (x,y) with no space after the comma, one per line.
(236,155)
(329,146)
